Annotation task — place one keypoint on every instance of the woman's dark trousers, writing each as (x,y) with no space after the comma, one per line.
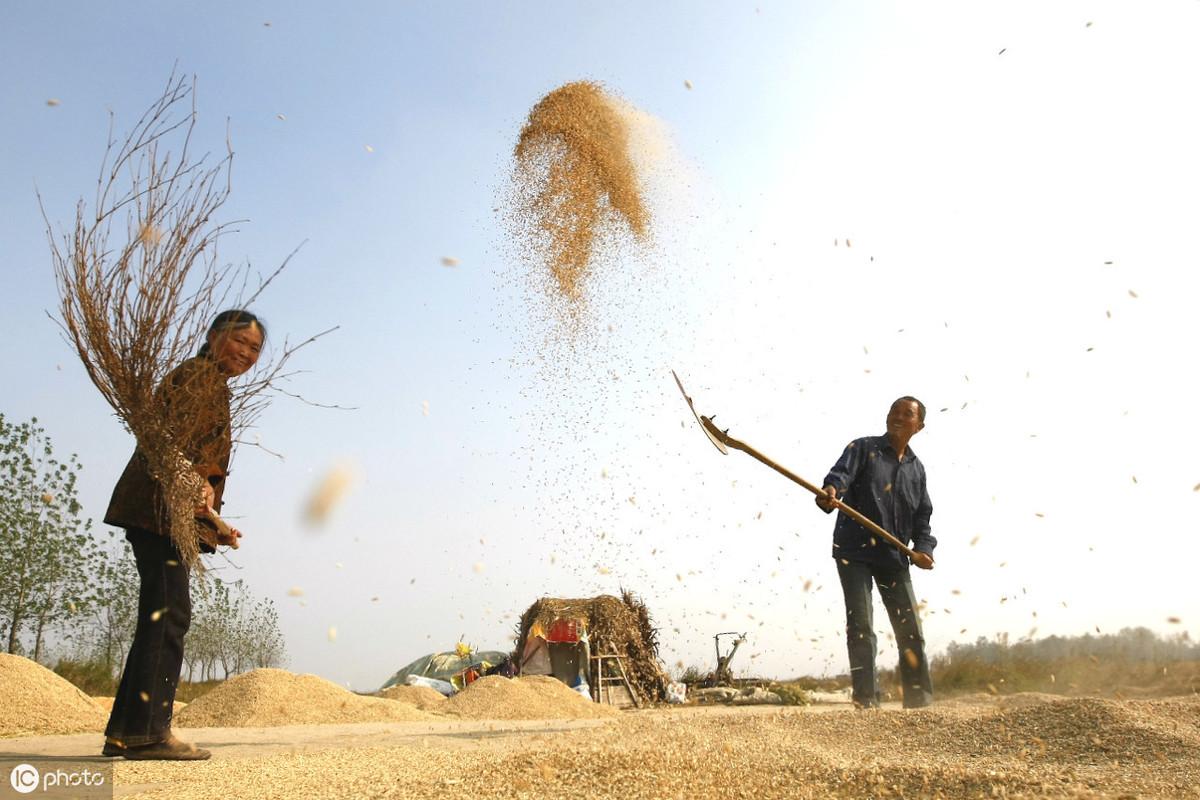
(141,712)
(896,591)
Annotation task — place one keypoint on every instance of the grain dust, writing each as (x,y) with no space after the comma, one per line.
(328,494)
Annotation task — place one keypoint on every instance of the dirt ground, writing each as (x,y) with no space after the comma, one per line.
(979,746)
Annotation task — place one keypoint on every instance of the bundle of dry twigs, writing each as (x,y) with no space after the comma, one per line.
(139,278)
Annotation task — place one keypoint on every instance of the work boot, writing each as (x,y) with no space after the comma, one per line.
(169,749)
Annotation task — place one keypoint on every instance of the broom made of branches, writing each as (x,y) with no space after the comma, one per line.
(139,278)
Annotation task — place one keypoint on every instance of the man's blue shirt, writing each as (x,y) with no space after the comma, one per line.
(871,479)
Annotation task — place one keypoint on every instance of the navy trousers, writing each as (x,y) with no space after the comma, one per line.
(896,591)
(142,708)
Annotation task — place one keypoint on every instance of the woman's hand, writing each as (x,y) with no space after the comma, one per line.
(209,498)
(231,540)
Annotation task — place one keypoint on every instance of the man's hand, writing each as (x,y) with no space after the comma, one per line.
(922,560)
(824,501)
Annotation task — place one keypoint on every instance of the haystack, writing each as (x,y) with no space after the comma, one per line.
(614,625)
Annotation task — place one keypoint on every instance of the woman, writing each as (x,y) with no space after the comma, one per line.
(196,397)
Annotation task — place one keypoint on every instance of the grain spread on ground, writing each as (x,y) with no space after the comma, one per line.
(36,702)
(269,697)
(1072,748)
(576,188)
(530,697)
(422,697)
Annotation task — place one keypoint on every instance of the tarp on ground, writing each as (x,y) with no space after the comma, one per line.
(443,666)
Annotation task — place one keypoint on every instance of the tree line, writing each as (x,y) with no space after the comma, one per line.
(67,593)
(1128,645)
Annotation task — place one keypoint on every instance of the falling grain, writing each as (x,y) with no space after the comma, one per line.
(575,184)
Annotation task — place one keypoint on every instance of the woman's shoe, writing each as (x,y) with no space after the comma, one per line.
(112,749)
(169,749)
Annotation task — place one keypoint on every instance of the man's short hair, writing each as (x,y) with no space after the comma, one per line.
(920,406)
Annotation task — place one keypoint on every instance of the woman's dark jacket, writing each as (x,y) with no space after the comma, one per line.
(196,397)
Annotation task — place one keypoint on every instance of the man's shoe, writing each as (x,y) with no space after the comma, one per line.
(169,749)
(112,749)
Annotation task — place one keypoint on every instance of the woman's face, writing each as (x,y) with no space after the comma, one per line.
(236,349)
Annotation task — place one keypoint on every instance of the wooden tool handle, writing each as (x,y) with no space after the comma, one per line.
(729,441)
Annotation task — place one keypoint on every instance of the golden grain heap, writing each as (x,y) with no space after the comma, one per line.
(576,187)
(36,702)
(271,697)
(422,697)
(528,697)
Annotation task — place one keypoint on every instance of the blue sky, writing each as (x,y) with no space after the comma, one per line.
(982,193)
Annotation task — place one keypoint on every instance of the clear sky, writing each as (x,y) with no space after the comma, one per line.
(990,205)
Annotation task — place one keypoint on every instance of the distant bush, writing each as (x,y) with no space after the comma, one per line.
(810,684)
(791,694)
(1130,659)
(91,677)
(186,692)
(1133,661)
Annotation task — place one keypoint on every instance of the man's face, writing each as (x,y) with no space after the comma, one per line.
(904,419)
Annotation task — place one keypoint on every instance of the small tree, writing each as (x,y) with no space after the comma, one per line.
(113,607)
(228,631)
(45,551)
(267,648)
(210,620)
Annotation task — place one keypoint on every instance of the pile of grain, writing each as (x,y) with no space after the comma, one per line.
(423,697)
(269,697)
(531,697)
(106,703)
(575,185)
(36,702)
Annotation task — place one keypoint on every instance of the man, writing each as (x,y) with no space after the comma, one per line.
(882,478)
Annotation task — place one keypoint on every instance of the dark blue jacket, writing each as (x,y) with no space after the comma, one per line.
(889,492)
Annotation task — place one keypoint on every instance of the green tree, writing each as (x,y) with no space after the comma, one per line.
(45,550)
(108,629)
(230,631)
(266,647)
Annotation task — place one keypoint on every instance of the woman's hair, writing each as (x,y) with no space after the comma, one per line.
(233,319)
